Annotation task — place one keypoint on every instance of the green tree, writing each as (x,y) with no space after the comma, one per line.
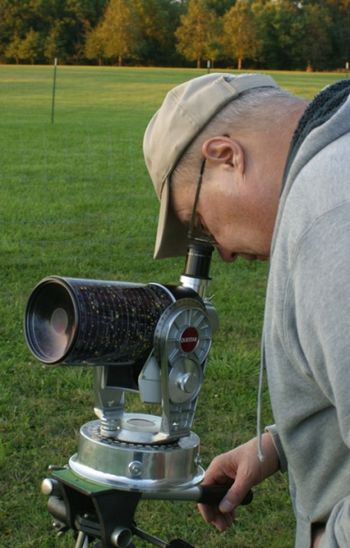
(219,7)
(215,49)
(339,12)
(267,33)
(315,36)
(280,27)
(61,26)
(289,22)
(196,32)
(158,22)
(13,48)
(30,47)
(95,44)
(120,28)
(64,24)
(16,20)
(240,35)
(279,34)
(55,45)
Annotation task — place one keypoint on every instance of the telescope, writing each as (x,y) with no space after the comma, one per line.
(151,339)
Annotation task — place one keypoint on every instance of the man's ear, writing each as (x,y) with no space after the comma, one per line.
(222,149)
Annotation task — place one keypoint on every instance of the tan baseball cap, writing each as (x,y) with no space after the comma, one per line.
(184,113)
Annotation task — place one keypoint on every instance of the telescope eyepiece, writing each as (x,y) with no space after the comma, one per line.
(198,260)
(197,265)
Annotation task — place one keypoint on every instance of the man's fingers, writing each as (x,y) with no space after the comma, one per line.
(223,521)
(213,516)
(207,512)
(233,497)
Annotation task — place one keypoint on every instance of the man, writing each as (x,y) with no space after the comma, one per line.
(264,175)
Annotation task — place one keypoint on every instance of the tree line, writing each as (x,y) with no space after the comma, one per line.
(275,34)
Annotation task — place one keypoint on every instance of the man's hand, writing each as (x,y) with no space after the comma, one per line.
(242,466)
(317,534)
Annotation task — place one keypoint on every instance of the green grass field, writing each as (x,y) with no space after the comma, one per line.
(76,200)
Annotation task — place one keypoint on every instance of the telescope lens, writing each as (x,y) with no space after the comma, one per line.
(50,322)
(59,320)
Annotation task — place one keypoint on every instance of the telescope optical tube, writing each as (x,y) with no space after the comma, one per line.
(92,321)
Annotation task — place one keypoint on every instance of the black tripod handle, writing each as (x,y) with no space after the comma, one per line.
(213,494)
(206,494)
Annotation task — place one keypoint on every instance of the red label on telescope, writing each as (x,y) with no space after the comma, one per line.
(189,339)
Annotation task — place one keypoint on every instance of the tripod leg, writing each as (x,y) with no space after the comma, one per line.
(82,540)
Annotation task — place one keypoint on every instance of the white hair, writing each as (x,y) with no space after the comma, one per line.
(255,110)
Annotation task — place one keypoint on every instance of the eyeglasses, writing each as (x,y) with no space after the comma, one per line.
(196,230)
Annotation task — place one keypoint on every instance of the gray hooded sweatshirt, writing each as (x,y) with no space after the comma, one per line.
(306,339)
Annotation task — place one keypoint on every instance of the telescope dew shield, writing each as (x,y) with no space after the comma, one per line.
(92,321)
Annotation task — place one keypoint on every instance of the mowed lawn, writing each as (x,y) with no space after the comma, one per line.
(76,200)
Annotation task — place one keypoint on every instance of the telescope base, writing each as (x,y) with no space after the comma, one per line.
(144,467)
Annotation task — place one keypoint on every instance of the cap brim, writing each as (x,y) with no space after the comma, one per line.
(171,240)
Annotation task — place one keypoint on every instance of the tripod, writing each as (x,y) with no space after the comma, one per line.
(103,517)
(84,541)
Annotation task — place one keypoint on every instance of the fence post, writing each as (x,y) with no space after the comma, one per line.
(53,92)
